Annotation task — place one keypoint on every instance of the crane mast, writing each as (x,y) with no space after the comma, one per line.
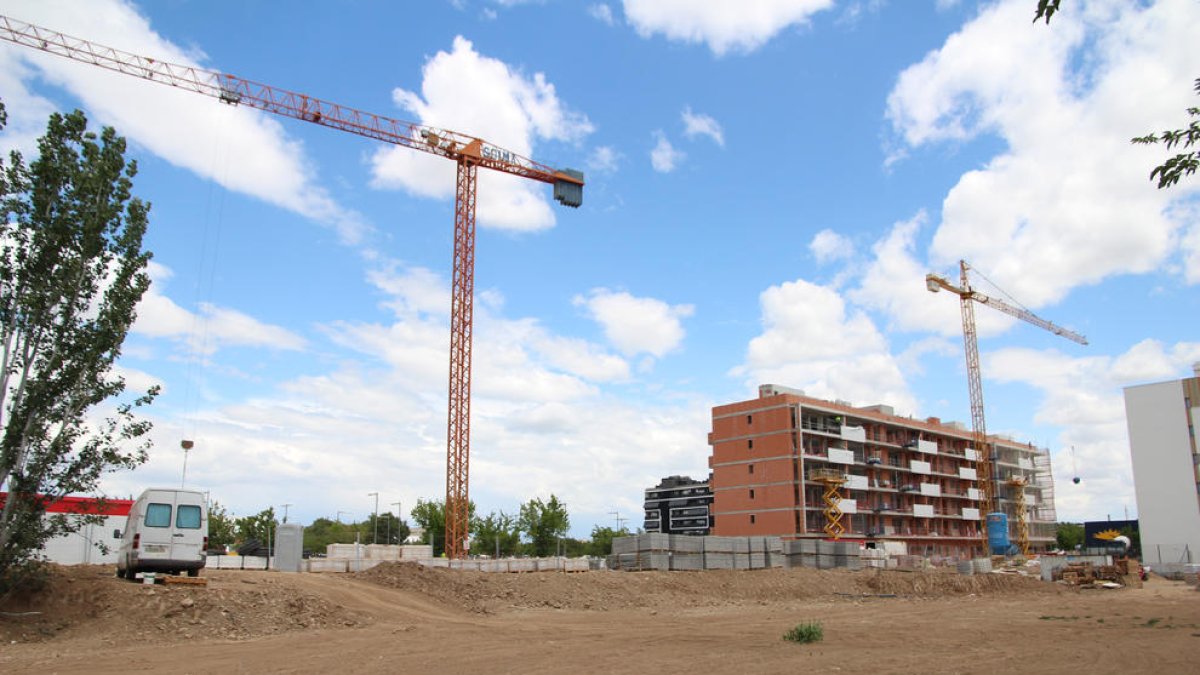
(987,476)
(468,152)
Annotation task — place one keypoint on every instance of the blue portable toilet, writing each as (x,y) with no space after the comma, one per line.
(997,531)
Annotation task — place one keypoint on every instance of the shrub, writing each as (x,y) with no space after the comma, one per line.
(810,631)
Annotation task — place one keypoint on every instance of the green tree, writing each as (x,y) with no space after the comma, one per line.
(323,532)
(1170,171)
(260,526)
(391,529)
(431,517)
(1068,536)
(72,271)
(1046,9)
(221,529)
(1184,163)
(496,532)
(545,523)
(602,539)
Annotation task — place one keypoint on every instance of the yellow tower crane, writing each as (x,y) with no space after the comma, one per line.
(987,476)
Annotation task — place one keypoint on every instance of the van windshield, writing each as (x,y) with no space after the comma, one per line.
(188,517)
(158,515)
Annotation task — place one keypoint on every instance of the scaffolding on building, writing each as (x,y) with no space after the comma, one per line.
(833,480)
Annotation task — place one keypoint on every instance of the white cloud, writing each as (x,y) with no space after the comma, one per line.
(664,157)
(723,26)
(813,341)
(412,290)
(602,13)
(1083,397)
(137,382)
(241,149)
(1068,203)
(483,97)
(540,421)
(604,159)
(695,124)
(828,246)
(894,283)
(207,330)
(637,325)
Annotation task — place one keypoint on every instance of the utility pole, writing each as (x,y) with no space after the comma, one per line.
(619,519)
(339,516)
(375,534)
(397,505)
(285,510)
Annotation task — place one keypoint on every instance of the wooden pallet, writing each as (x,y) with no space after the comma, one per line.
(190,581)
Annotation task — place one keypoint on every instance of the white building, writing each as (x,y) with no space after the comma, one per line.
(1164,440)
(83,547)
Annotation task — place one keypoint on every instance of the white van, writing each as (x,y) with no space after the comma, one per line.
(167,532)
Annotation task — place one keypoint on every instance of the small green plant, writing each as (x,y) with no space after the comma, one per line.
(1151,622)
(809,631)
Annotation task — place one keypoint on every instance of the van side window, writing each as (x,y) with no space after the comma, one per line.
(158,515)
(187,517)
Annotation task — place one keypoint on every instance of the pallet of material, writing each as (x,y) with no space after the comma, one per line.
(188,581)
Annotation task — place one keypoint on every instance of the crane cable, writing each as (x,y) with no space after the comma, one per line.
(199,334)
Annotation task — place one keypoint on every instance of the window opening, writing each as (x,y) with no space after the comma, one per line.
(187,517)
(158,515)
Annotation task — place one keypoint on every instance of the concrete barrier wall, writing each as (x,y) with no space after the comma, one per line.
(651,551)
(236,562)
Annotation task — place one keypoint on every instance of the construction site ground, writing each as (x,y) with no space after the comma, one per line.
(405,618)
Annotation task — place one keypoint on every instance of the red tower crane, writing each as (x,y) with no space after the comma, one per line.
(986,471)
(468,152)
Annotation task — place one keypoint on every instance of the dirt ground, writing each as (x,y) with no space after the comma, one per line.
(400,617)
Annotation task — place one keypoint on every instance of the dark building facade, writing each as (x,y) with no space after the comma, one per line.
(679,505)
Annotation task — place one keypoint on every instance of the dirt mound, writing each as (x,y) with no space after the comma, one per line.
(489,593)
(235,605)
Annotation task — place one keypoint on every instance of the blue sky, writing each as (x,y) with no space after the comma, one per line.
(767,184)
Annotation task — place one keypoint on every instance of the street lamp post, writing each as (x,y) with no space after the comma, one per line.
(285,509)
(397,505)
(375,534)
(339,516)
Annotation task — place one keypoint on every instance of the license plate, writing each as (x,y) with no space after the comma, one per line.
(156,548)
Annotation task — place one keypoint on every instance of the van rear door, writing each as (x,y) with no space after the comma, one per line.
(189,531)
(156,540)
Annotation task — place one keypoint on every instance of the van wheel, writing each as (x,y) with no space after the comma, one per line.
(193,573)
(120,573)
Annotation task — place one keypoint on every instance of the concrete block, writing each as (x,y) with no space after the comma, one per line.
(416,552)
(826,562)
(826,547)
(654,541)
(846,548)
(718,561)
(344,551)
(773,544)
(741,561)
(758,561)
(853,563)
(624,545)
(683,543)
(687,561)
(718,544)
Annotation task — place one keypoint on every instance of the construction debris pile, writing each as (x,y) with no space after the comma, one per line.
(1086,574)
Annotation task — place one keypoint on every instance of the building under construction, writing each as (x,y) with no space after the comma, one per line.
(788,465)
